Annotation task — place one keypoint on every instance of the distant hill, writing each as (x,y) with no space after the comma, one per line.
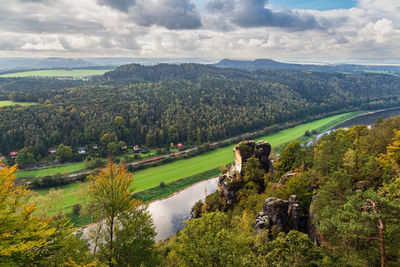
(256,64)
(56,62)
(187,71)
(272,64)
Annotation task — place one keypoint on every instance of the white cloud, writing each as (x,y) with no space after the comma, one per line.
(172,28)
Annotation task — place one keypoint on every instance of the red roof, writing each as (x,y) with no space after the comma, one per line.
(14,153)
(180,145)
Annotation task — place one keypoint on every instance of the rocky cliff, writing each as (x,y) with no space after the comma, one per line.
(230,181)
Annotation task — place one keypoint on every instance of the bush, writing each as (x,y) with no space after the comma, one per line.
(162,184)
(76,209)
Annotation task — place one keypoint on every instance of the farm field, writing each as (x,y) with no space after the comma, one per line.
(76,73)
(74,167)
(10,103)
(152,177)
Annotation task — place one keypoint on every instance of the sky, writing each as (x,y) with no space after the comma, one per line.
(241,29)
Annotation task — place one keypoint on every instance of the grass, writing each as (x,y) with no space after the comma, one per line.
(148,178)
(76,73)
(70,168)
(10,103)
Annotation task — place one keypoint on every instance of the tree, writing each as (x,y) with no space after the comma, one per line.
(288,155)
(293,249)
(209,241)
(27,239)
(25,156)
(134,239)
(110,194)
(64,153)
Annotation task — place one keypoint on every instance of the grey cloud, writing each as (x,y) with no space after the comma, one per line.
(220,6)
(121,5)
(171,14)
(252,13)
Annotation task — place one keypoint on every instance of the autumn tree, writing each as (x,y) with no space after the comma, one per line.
(128,227)
(27,239)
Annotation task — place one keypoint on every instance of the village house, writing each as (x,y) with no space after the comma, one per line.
(81,151)
(13,154)
(52,150)
(136,149)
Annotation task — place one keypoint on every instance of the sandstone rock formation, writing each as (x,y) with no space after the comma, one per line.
(312,226)
(285,214)
(230,180)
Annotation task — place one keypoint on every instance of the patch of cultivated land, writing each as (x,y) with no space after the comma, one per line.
(56,73)
(152,177)
(10,103)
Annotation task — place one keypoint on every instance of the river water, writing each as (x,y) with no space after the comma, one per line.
(169,214)
(370,118)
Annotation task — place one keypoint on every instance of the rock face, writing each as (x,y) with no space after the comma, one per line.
(284,214)
(230,180)
(312,226)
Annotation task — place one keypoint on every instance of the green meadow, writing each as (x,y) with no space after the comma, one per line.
(10,103)
(75,73)
(151,177)
(70,168)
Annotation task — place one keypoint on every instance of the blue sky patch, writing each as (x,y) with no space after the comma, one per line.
(314,4)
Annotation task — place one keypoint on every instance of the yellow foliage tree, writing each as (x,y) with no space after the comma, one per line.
(110,193)
(27,239)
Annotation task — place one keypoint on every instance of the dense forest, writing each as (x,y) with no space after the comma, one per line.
(186,103)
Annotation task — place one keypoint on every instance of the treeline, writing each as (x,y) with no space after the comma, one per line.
(188,103)
(33,89)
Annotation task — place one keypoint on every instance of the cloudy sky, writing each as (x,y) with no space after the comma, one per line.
(201,28)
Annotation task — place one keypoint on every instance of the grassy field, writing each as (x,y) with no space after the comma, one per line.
(152,177)
(10,103)
(74,167)
(56,73)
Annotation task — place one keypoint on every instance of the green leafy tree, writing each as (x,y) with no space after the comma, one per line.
(209,241)
(134,239)
(293,249)
(287,157)
(24,157)
(64,153)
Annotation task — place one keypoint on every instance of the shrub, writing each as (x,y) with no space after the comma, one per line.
(76,209)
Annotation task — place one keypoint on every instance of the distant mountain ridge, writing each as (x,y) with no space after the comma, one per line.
(57,62)
(272,64)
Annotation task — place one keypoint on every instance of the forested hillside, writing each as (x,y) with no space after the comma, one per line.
(345,187)
(186,103)
(275,65)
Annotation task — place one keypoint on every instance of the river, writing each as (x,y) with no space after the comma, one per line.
(169,214)
(370,118)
